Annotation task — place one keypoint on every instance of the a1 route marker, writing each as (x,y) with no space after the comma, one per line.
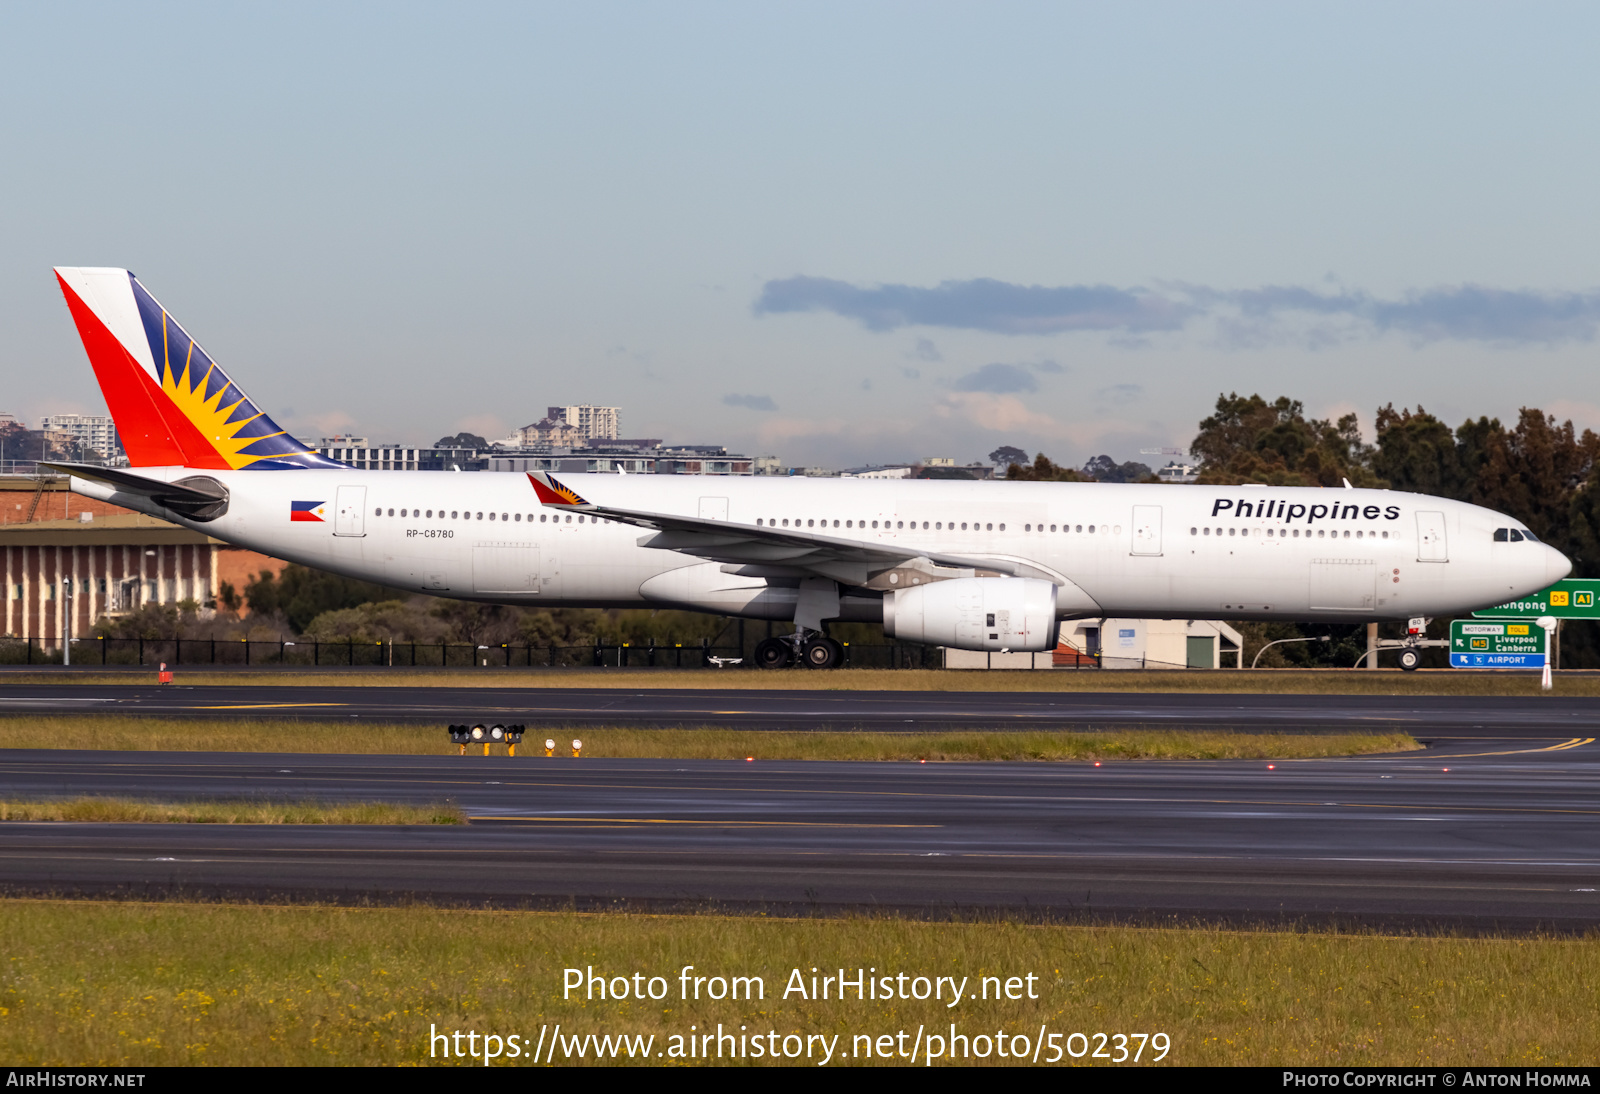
(1512,644)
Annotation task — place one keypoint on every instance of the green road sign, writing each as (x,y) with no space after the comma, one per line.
(1570,598)
(1513,644)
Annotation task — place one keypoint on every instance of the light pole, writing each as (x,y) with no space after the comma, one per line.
(66,622)
(1281,641)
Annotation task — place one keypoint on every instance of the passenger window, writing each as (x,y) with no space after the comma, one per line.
(542,517)
(519,517)
(377,512)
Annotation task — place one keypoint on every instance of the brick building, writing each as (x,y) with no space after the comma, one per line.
(116,560)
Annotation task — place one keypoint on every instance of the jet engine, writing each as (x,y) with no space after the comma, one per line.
(975,613)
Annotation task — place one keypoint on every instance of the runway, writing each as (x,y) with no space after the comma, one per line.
(1436,717)
(1507,838)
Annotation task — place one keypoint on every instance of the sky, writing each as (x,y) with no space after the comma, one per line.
(839,233)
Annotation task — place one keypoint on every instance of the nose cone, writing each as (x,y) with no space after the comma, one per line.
(1556,565)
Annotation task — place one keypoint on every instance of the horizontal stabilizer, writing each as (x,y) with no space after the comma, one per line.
(198,497)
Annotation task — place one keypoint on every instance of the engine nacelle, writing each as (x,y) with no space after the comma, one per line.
(975,613)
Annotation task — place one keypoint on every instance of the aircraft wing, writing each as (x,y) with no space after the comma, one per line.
(760,551)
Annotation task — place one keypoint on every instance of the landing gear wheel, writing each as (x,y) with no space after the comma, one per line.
(1409,660)
(772,653)
(823,653)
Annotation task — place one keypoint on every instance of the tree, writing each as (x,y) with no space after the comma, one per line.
(1417,452)
(462,440)
(1042,469)
(1248,439)
(1105,469)
(1007,456)
(301,594)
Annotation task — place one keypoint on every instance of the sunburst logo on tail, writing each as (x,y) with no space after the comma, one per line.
(551,492)
(204,394)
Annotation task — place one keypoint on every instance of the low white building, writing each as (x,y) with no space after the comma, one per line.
(1122,644)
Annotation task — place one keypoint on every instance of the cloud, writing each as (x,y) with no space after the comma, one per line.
(926,351)
(750,402)
(1047,366)
(999,413)
(484,425)
(1243,317)
(911,373)
(1120,394)
(980,304)
(998,379)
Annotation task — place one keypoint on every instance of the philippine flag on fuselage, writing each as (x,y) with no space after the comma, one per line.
(306,510)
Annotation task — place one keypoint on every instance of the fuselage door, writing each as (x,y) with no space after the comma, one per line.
(1431,543)
(1147,529)
(350,516)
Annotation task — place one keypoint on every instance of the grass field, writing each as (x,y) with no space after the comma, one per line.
(135,811)
(162,984)
(1262,682)
(114,733)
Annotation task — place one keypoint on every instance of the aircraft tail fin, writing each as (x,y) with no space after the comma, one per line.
(172,404)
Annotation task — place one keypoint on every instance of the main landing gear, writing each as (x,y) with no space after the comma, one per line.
(808,648)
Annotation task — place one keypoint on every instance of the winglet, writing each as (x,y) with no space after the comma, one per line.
(551,492)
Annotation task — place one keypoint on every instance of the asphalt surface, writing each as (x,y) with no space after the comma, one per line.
(1440,717)
(1468,834)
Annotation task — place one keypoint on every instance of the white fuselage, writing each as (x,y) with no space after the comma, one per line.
(1156,551)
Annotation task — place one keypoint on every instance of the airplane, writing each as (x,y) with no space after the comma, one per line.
(972,565)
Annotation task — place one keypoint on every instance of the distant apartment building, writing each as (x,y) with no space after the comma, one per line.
(552,431)
(92,431)
(358,453)
(590,421)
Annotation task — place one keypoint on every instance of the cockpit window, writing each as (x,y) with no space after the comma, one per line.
(1516,536)
(1529,536)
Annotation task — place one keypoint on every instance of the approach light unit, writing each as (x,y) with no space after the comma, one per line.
(486,736)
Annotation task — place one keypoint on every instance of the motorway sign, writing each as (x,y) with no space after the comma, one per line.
(1513,644)
(1570,598)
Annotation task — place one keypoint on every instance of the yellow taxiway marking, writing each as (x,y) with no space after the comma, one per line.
(1576,742)
(732,821)
(264,706)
